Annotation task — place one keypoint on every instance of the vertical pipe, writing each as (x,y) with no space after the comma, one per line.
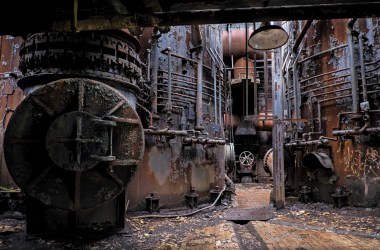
(255,105)
(278,132)
(154,74)
(319,117)
(74,18)
(229,39)
(199,111)
(229,109)
(354,81)
(148,64)
(220,100)
(169,102)
(246,70)
(296,92)
(213,68)
(266,75)
(362,68)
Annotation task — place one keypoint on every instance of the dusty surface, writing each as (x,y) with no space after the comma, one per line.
(206,229)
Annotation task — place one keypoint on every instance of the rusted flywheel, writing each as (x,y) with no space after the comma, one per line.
(73,144)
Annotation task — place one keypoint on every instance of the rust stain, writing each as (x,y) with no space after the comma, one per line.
(159,163)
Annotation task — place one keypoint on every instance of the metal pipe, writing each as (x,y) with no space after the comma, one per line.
(301,35)
(360,131)
(199,103)
(307,136)
(229,38)
(322,52)
(354,82)
(215,107)
(150,114)
(255,98)
(319,116)
(325,80)
(148,64)
(177,94)
(203,141)
(246,70)
(154,74)
(320,141)
(167,132)
(183,58)
(168,52)
(334,98)
(331,92)
(288,99)
(371,63)
(362,68)
(323,74)
(278,131)
(266,76)
(326,86)
(220,101)
(185,133)
(296,90)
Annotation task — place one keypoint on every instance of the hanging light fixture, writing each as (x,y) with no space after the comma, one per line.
(267,37)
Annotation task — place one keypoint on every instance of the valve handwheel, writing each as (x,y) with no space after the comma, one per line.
(246,158)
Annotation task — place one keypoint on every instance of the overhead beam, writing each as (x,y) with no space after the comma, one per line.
(98,15)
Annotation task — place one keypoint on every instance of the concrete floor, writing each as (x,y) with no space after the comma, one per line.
(297,226)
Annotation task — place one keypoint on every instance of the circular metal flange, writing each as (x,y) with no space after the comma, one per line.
(246,158)
(72,139)
(44,130)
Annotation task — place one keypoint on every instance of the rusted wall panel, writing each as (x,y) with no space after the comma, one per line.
(11,95)
(325,78)
(169,168)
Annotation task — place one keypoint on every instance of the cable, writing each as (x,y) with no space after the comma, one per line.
(180,215)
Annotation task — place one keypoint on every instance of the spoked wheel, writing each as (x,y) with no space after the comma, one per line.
(246,158)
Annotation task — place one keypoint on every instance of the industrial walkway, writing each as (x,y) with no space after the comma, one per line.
(245,222)
(303,226)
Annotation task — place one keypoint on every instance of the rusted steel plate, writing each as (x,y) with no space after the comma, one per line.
(58,152)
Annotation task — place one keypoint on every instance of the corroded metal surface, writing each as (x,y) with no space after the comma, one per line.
(339,97)
(11,95)
(100,15)
(63,148)
(108,55)
(180,154)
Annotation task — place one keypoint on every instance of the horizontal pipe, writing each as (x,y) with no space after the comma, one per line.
(203,141)
(167,132)
(364,130)
(321,141)
(323,74)
(323,52)
(325,86)
(334,98)
(326,80)
(187,134)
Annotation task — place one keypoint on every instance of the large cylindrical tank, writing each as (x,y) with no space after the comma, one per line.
(74,143)
(338,72)
(190,102)
(240,70)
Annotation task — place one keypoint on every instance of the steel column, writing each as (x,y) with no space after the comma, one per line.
(278,132)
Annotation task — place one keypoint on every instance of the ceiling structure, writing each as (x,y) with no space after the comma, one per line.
(20,17)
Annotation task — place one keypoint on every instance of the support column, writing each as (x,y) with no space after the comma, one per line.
(278,132)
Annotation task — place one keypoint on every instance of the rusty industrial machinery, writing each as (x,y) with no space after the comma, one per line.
(93,112)
(74,142)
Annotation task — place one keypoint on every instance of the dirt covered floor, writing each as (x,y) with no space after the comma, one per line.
(210,228)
